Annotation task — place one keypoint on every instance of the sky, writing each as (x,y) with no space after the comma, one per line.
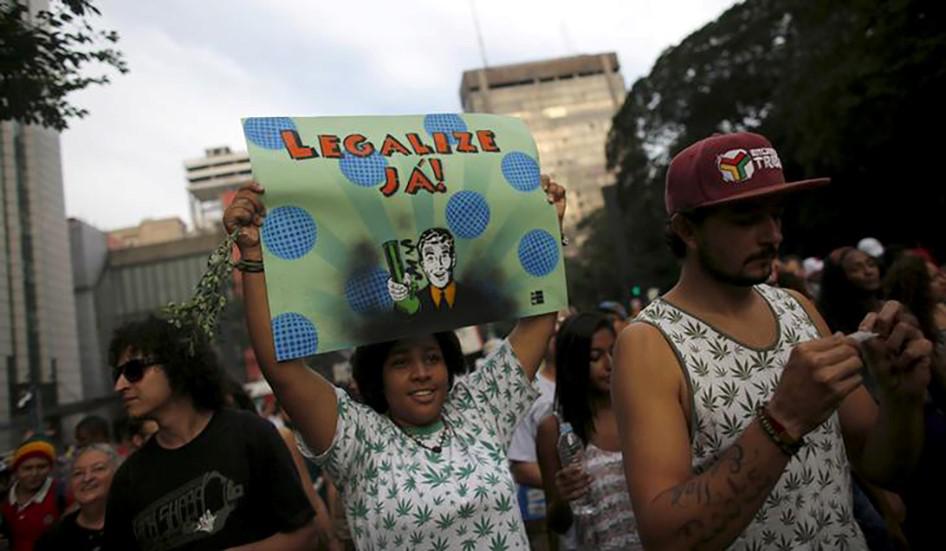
(197,68)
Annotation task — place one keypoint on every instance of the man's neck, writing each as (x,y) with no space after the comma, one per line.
(23,495)
(180,422)
(701,291)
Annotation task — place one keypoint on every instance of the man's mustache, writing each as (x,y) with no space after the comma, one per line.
(767,253)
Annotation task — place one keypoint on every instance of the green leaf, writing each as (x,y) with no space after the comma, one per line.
(389,522)
(445,521)
(422,516)
(503,504)
(483,527)
(466,511)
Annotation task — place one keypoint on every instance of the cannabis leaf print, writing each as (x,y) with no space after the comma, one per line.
(810,505)
(400,495)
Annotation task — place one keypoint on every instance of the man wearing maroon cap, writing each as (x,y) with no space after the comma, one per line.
(738,409)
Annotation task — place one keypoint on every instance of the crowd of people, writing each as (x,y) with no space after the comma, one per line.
(760,403)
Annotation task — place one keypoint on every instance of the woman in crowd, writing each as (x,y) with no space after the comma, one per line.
(423,463)
(917,283)
(90,480)
(583,397)
(850,289)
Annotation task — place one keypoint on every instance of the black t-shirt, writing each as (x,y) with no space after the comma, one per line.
(235,483)
(67,534)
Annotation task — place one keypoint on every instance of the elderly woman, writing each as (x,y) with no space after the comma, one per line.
(90,480)
(423,464)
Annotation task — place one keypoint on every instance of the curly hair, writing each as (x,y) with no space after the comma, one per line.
(367,367)
(197,376)
(573,386)
(842,303)
(908,282)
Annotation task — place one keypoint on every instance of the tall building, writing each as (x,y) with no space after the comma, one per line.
(148,232)
(89,262)
(38,335)
(118,284)
(568,104)
(213,178)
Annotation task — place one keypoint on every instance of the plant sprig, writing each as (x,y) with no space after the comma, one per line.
(199,315)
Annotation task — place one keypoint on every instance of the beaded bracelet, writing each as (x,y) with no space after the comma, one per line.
(777,433)
(250,266)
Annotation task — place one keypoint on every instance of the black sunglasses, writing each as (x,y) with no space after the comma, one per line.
(133,369)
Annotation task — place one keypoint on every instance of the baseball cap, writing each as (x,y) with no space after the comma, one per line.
(725,168)
(612,307)
(871,247)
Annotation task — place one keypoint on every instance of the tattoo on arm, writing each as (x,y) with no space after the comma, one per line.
(724,491)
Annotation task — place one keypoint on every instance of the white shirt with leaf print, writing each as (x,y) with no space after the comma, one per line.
(399,495)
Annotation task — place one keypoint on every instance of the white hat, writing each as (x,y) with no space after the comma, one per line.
(871,247)
(812,265)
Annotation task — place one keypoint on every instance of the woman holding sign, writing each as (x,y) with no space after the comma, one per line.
(424,463)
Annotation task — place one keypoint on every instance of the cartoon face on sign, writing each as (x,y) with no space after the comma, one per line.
(386,227)
(437,258)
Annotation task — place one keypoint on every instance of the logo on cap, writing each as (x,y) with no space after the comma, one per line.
(735,165)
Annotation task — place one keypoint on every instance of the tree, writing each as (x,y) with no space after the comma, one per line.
(843,89)
(45,56)
(593,275)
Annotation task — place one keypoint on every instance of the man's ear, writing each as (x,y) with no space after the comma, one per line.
(685,229)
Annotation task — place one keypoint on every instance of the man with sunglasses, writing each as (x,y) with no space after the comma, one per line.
(211,477)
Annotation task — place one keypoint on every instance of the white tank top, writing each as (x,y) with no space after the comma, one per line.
(811,505)
(612,527)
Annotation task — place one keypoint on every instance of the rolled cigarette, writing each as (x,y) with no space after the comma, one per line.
(862,336)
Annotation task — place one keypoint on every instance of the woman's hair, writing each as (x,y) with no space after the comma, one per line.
(368,366)
(842,303)
(107,449)
(235,396)
(573,370)
(908,282)
(193,373)
(788,280)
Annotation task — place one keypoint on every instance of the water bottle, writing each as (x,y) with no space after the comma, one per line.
(571,451)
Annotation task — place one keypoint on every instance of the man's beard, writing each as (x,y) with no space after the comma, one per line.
(737,280)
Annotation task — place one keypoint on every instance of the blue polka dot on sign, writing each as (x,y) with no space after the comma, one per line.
(363,171)
(448,123)
(295,336)
(538,253)
(521,171)
(264,131)
(367,291)
(289,232)
(467,214)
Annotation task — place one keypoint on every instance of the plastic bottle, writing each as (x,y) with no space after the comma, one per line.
(571,451)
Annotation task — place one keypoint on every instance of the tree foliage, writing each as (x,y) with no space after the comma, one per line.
(852,90)
(46,55)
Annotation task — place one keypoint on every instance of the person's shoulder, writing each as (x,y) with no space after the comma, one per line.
(641,330)
(244,421)
(133,462)
(645,348)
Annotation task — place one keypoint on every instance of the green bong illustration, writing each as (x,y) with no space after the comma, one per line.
(392,253)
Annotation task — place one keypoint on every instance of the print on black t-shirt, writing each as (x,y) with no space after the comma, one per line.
(210,499)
